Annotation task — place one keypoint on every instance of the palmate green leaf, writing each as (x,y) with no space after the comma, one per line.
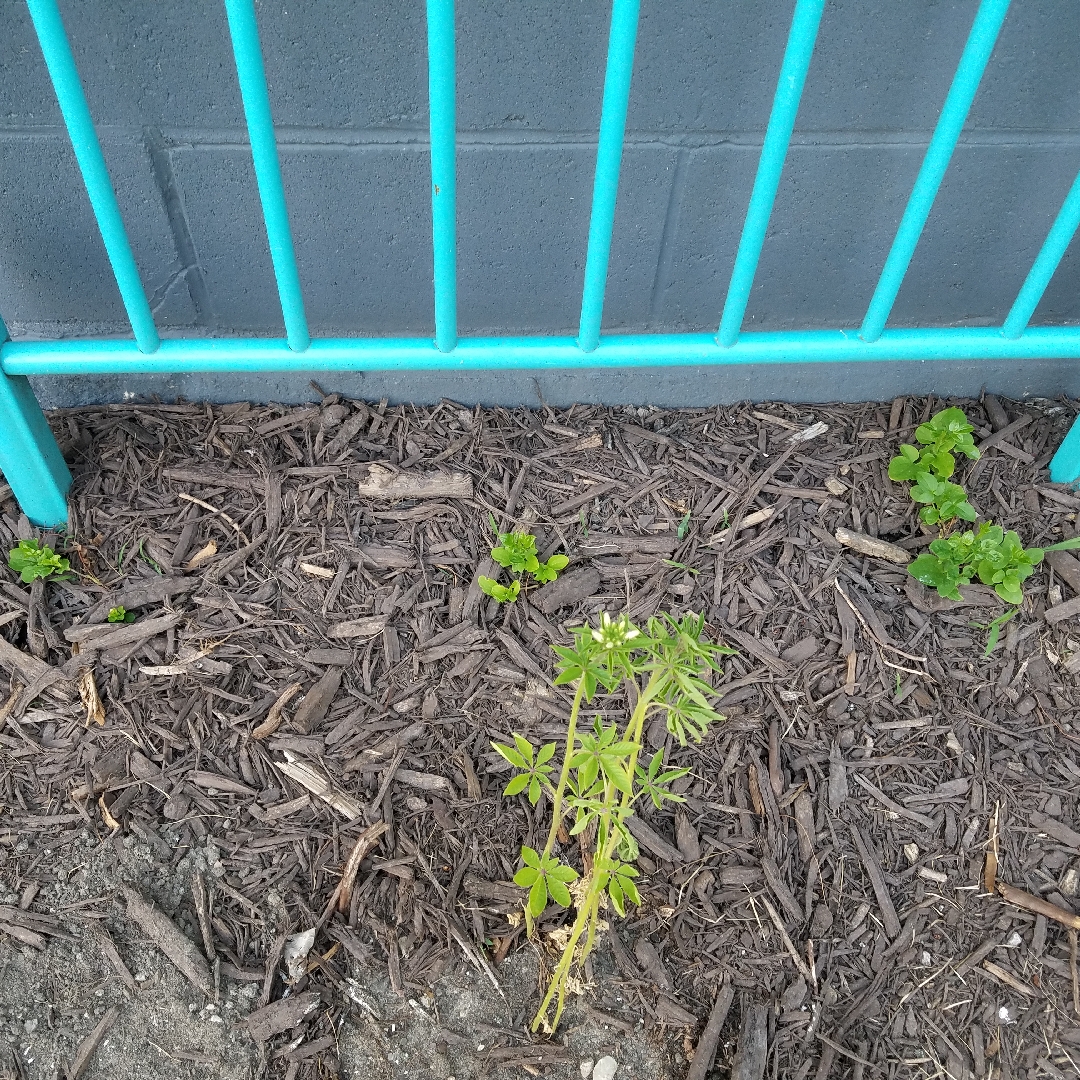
(558,891)
(615,893)
(563,873)
(628,847)
(616,773)
(517,785)
(538,896)
(524,748)
(529,856)
(511,755)
(526,876)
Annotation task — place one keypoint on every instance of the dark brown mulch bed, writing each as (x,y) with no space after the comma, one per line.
(870,757)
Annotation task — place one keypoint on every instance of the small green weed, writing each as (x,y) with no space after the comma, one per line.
(931,467)
(517,552)
(121,614)
(680,566)
(600,777)
(995,629)
(996,557)
(32,561)
(684,527)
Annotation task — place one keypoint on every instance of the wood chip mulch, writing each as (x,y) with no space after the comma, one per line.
(314,680)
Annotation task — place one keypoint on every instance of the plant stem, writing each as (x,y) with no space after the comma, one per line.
(585,922)
(564,774)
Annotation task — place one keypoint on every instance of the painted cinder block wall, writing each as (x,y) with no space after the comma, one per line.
(349,94)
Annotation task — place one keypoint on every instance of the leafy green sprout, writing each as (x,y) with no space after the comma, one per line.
(120,614)
(930,468)
(995,629)
(680,566)
(601,777)
(31,561)
(149,561)
(684,526)
(996,557)
(516,551)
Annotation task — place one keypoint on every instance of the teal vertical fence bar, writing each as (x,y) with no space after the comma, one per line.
(1065,464)
(620,67)
(785,107)
(84,141)
(442,116)
(251,74)
(29,457)
(1046,262)
(969,73)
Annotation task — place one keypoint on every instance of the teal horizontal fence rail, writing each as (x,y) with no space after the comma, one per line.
(31,461)
(527,353)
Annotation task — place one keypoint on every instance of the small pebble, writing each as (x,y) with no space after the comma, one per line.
(30,1026)
(585,1068)
(605,1068)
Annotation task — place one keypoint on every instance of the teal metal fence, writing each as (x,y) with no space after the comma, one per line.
(31,460)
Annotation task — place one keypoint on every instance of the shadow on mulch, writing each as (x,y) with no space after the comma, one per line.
(826,872)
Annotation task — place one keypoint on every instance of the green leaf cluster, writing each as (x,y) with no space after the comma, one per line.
(601,779)
(943,501)
(533,776)
(121,614)
(32,561)
(544,876)
(942,437)
(994,556)
(516,551)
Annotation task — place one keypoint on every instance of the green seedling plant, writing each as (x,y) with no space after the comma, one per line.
(31,561)
(944,435)
(603,774)
(995,557)
(120,614)
(516,551)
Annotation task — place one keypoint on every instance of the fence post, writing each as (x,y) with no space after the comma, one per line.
(29,457)
(1065,464)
